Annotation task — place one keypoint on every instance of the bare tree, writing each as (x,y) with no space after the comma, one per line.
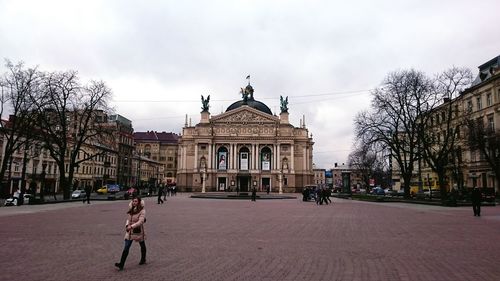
(73,119)
(366,162)
(393,119)
(16,85)
(441,123)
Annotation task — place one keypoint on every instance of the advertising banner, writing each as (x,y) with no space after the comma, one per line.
(222,160)
(244,161)
(266,161)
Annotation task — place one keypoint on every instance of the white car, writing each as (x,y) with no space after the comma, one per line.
(13,201)
(78,194)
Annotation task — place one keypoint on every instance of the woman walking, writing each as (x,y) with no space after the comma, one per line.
(134,231)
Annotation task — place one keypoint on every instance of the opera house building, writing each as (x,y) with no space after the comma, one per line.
(245,147)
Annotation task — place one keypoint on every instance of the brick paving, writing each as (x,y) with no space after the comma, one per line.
(210,239)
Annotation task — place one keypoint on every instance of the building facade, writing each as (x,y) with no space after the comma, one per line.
(243,148)
(468,166)
(124,143)
(161,148)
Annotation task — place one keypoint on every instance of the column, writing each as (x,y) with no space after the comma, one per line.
(184,152)
(196,155)
(275,157)
(278,157)
(292,161)
(255,156)
(233,156)
(305,158)
(210,160)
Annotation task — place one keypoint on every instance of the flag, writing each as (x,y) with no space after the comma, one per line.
(248,77)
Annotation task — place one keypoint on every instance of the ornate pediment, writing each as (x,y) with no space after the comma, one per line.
(244,115)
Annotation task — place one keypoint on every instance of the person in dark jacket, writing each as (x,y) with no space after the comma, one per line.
(160,194)
(88,190)
(476,201)
(254,194)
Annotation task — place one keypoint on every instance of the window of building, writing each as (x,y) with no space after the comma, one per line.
(265,158)
(170,158)
(162,158)
(469,105)
(169,166)
(479,104)
(489,101)
(491,123)
(221,158)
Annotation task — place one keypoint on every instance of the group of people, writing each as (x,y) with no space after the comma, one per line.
(166,191)
(320,195)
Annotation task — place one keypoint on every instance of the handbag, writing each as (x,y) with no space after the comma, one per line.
(136,230)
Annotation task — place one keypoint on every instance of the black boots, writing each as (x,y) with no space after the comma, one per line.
(121,264)
(122,260)
(143,254)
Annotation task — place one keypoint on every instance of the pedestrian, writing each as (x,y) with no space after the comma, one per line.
(254,194)
(134,231)
(160,194)
(17,197)
(476,201)
(88,190)
(268,189)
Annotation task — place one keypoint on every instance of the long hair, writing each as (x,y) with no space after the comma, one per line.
(134,210)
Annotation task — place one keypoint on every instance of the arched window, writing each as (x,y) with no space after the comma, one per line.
(222,163)
(244,158)
(265,159)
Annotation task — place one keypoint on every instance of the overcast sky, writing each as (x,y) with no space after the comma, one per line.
(158,57)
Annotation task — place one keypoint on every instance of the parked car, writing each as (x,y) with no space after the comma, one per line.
(102,190)
(390,192)
(13,201)
(78,194)
(378,191)
(433,193)
(113,188)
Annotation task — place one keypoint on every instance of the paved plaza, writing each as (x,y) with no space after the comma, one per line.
(210,239)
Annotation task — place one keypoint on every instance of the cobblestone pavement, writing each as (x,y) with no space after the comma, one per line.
(210,239)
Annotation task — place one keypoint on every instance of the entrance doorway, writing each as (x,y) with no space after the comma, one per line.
(266,184)
(222,184)
(243,183)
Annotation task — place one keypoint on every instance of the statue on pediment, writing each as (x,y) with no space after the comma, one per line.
(284,104)
(204,103)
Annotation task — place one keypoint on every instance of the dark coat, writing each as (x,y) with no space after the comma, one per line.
(476,196)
